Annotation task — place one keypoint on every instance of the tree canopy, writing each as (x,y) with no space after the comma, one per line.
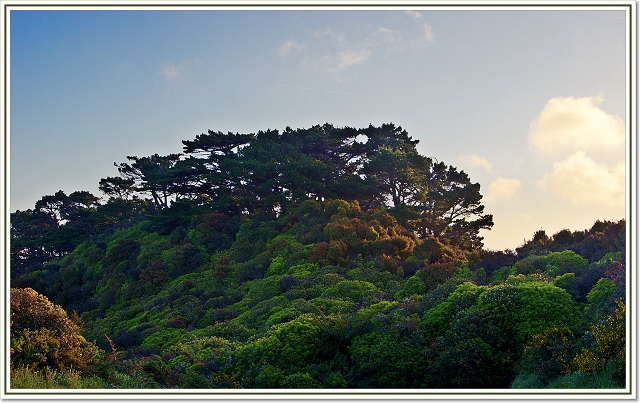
(269,171)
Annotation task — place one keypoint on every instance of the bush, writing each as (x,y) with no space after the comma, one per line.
(413,286)
(300,381)
(353,290)
(438,319)
(527,309)
(548,354)
(385,360)
(42,335)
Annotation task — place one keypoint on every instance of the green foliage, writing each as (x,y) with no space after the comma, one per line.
(529,308)
(462,364)
(610,346)
(413,286)
(260,312)
(183,259)
(384,280)
(555,263)
(281,316)
(300,381)
(332,306)
(302,270)
(611,257)
(42,335)
(438,319)
(289,349)
(548,354)
(599,298)
(307,259)
(163,338)
(353,290)
(262,289)
(277,266)
(565,281)
(251,240)
(385,360)
(527,381)
(588,380)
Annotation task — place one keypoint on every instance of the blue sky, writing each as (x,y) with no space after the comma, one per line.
(531,104)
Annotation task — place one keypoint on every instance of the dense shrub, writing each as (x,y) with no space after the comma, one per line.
(319,294)
(43,335)
(385,360)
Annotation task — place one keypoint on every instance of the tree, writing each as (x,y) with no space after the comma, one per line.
(268,171)
(216,145)
(398,175)
(117,188)
(154,175)
(64,221)
(65,208)
(449,207)
(432,199)
(30,230)
(214,169)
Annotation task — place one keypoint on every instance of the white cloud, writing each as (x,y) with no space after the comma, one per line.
(572,124)
(179,72)
(504,189)
(171,72)
(291,47)
(348,58)
(476,161)
(389,35)
(583,181)
(336,51)
(387,31)
(414,14)
(428,33)
(338,38)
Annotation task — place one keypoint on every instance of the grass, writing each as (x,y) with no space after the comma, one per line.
(28,378)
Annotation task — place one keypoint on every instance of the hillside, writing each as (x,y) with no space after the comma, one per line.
(312,258)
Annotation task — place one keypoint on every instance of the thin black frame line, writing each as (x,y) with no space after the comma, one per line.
(372,7)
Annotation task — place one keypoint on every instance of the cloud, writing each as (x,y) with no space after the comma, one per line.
(179,72)
(572,124)
(476,161)
(291,47)
(583,181)
(348,58)
(428,33)
(338,38)
(414,14)
(334,52)
(171,72)
(388,35)
(504,189)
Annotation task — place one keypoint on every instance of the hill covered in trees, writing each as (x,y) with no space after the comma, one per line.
(311,258)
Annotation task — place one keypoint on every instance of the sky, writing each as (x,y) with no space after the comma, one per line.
(529,103)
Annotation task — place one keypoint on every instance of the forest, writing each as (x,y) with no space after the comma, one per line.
(311,258)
